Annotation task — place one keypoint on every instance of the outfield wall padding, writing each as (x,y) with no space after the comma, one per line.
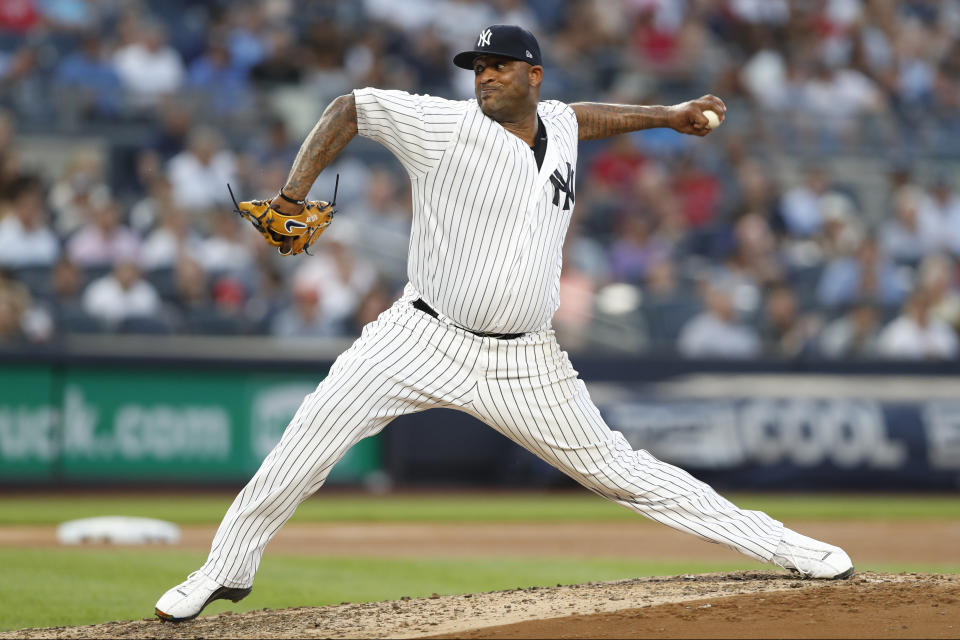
(152,413)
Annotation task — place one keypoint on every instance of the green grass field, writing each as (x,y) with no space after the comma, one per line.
(71,586)
(524,507)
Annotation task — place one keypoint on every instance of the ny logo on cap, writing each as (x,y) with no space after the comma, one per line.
(484,40)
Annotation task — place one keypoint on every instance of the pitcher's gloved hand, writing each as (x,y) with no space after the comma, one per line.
(288,224)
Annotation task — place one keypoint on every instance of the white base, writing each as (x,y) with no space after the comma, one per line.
(118,530)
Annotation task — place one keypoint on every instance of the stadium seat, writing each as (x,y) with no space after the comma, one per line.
(76,320)
(148,325)
(211,322)
(164,280)
(36,278)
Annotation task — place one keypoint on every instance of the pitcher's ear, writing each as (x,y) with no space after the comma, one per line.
(536,75)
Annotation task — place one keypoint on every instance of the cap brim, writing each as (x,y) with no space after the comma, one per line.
(464,59)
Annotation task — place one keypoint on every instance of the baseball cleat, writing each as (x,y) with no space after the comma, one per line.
(812,558)
(186,600)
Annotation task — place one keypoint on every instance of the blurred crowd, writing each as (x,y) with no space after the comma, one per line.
(822,220)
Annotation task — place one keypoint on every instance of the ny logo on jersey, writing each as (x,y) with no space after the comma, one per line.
(484,40)
(565,184)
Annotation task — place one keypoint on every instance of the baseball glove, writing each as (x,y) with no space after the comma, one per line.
(291,234)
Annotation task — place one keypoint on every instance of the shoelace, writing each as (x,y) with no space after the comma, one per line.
(789,558)
(191,580)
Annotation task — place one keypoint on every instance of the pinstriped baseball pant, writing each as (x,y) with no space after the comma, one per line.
(407,361)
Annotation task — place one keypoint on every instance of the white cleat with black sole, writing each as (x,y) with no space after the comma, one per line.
(186,600)
(812,558)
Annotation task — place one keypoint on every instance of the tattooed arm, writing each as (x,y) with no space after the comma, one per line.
(598,120)
(336,127)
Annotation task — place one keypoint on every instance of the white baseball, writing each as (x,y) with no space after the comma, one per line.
(713,120)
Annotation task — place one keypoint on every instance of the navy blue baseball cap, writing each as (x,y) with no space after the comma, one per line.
(507,40)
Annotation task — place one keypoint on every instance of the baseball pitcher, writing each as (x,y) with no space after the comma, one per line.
(493,191)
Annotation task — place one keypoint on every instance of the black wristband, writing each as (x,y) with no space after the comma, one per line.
(289,199)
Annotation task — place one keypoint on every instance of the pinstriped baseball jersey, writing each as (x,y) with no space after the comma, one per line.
(488,225)
(485,252)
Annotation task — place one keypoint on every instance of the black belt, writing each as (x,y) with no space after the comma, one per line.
(423,306)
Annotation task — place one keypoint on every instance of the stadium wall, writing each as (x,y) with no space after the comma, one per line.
(168,415)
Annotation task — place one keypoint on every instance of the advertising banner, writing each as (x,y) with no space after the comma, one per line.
(29,415)
(802,442)
(95,424)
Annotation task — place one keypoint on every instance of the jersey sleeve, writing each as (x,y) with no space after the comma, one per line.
(416,128)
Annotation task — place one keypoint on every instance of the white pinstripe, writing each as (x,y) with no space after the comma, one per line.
(527,389)
(485,252)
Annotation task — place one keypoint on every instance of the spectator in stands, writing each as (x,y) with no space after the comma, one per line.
(81,184)
(69,17)
(200,174)
(378,229)
(9,160)
(274,145)
(172,240)
(65,300)
(21,321)
(23,82)
(25,238)
(914,230)
(229,295)
(636,249)
(247,44)
(852,335)
(753,263)
(428,60)
(785,331)
(171,131)
(342,280)
(219,81)
(267,299)
(191,287)
(149,68)
(204,304)
(718,332)
(20,16)
(652,194)
(916,334)
(753,189)
(283,64)
(306,317)
(121,294)
(800,205)
(230,246)
(838,99)
(868,275)
(11,331)
(943,204)
(378,299)
(324,74)
(773,61)
(86,81)
(938,279)
(667,305)
(103,239)
(697,191)
(577,292)
(842,232)
(616,166)
(147,211)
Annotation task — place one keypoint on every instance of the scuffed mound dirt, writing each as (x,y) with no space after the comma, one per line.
(734,605)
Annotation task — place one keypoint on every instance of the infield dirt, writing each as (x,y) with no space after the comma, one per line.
(733,605)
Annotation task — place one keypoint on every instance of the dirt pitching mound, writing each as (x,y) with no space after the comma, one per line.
(732,605)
